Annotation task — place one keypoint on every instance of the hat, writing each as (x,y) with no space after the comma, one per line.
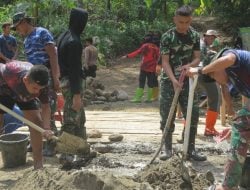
(17,18)
(211,33)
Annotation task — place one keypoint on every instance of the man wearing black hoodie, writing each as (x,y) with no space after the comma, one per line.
(69,58)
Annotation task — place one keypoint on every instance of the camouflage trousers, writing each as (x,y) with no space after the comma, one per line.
(166,98)
(73,121)
(240,141)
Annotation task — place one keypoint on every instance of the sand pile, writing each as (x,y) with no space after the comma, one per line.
(56,179)
(167,175)
(160,176)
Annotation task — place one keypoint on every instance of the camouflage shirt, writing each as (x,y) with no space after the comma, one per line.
(179,47)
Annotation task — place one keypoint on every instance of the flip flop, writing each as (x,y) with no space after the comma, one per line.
(212,187)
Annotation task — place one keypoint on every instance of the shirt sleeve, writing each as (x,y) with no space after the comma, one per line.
(136,52)
(164,44)
(46,38)
(197,42)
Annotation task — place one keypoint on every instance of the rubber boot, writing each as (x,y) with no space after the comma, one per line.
(150,95)
(192,153)
(167,153)
(138,95)
(211,118)
(155,94)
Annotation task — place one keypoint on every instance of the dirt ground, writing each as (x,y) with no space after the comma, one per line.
(124,165)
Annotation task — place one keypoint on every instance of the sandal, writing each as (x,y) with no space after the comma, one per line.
(212,187)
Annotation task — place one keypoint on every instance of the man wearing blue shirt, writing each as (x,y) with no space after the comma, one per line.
(233,65)
(40,49)
(8,44)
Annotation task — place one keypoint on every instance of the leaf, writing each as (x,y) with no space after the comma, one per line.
(148,3)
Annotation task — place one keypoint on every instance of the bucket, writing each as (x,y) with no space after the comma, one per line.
(14,149)
(245,182)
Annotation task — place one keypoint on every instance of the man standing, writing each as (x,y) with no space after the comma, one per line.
(180,49)
(208,84)
(8,44)
(90,55)
(40,49)
(22,83)
(69,56)
(234,66)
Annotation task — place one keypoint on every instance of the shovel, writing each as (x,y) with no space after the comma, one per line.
(170,116)
(184,168)
(65,143)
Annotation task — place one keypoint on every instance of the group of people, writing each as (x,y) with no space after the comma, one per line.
(180,50)
(58,66)
(51,67)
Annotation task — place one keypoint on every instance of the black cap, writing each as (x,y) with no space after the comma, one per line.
(39,74)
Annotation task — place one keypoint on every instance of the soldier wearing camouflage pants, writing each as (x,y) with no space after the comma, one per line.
(69,58)
(234,66)
(180,49)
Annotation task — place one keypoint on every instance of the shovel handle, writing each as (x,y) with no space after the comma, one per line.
(192,86)
(26,121)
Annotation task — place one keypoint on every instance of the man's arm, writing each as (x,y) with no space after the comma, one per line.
(195,62)
(220,64)
(46,115)
(86,57)
(3,57)
(196,59)
(51,51)
(15,49)
(168,70)
(228,100)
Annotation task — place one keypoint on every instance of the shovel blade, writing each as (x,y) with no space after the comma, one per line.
(71,144)
(185,173)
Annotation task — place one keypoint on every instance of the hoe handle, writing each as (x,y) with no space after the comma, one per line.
(26,121)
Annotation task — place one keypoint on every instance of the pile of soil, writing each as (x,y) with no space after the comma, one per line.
(161,176)
(168,175)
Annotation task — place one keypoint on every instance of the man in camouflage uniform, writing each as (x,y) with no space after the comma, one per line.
(180,49)
(69,57)
(234,66)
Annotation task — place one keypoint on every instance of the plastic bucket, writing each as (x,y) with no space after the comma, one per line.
(14,149)
(245,182)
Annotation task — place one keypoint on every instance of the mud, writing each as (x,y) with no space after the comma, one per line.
(125,166)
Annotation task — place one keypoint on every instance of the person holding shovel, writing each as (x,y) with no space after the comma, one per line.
(72,78)
(23,84)
(232,65)
(180,49)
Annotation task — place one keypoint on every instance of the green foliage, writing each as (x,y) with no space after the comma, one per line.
(121,24)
